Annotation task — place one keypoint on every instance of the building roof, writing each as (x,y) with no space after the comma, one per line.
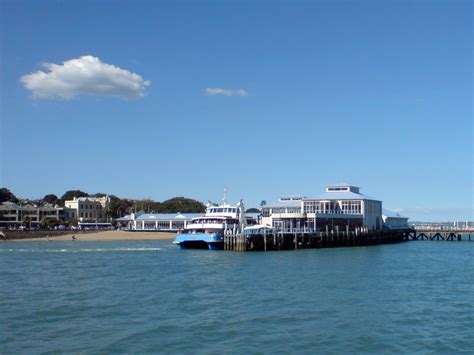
(124,218)
(342,195)
(342,184)
(167,216)
(391,214)
(292,203)
(9,204)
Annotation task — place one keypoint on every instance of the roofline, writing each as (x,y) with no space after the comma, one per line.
(337,199)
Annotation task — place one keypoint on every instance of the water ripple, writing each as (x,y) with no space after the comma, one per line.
(150,297)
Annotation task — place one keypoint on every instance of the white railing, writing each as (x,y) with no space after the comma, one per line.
(335,212)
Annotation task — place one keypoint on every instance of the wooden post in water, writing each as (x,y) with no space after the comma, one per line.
(347,235)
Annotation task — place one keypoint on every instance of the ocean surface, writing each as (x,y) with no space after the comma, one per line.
(148,296)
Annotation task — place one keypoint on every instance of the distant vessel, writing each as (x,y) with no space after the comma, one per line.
(207,232)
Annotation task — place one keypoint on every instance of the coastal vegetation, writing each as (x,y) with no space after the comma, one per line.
(6,195)
(117,207)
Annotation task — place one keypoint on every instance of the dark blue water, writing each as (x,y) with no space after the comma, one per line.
(138,296)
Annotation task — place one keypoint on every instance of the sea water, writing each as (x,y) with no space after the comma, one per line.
(140,296)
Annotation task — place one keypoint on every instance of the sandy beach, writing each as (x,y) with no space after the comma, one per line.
(107,235)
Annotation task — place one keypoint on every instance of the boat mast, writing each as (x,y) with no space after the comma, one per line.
(224,199)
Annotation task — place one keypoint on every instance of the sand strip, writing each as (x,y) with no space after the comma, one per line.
(106,235)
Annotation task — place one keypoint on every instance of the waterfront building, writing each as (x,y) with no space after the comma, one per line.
(15,215)
(88,208)
(286,211)
(166,222)
(341,206)
(393,220)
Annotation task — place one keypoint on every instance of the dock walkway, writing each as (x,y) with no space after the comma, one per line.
(306,239)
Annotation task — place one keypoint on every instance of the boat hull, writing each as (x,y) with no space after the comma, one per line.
(211,241)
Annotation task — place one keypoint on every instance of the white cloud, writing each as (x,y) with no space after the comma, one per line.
(226,92)
(86,75)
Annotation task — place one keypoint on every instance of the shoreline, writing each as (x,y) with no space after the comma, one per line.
(109,235)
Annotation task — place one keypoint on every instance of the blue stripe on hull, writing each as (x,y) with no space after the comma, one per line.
(200,241)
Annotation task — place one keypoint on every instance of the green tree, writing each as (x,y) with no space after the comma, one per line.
(182,204)
(26,221)
(99,194)
(252,210)
(7,195)
(147,205)
(51,198)
(118,207)
(51,222)
(69,195)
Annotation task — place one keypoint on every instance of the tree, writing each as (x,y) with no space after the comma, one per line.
(51,222)
(7,195)
(69,195)
(26,221)
(182,204)
(147,205)
(118,207)
(252,210)
(99,194)
(51,198)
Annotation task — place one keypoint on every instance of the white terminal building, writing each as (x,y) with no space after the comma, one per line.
(341,206)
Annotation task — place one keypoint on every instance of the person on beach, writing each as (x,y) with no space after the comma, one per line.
(73,237)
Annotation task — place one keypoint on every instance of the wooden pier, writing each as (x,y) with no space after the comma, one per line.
(447,234)
(286,240)
(293,240)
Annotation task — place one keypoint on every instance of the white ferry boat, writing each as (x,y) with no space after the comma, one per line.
(207,232)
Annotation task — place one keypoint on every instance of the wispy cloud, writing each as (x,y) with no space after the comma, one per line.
(226,92)
(86,75)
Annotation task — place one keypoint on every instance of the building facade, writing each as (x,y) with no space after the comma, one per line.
(89,208)
(341,206)
(394,220)
(166,222)
(14,215)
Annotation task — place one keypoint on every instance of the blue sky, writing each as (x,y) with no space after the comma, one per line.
(375,93)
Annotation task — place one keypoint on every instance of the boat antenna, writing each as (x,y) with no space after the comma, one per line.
(225,197)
